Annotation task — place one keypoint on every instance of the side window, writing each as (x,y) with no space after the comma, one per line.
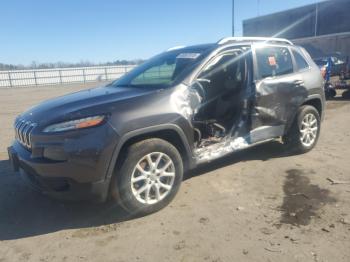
(273,61)
(224,72)
(218,65)
(300,61)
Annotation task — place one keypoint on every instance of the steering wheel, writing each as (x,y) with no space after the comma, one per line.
(200,88)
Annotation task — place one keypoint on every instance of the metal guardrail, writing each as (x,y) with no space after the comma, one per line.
(40,77)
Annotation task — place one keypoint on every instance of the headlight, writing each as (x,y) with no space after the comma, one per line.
(75,124)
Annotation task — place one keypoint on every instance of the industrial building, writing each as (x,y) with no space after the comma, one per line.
(322,28)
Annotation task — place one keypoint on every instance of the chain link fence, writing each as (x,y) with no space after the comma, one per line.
(56,76)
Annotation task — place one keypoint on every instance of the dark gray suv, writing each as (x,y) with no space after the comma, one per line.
(133,139)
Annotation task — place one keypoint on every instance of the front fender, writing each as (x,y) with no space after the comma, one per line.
(149,130)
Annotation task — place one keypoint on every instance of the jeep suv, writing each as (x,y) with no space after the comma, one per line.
(132,139)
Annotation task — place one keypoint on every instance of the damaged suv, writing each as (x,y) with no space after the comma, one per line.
(132,140)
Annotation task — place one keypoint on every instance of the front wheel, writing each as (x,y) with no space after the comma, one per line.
(305,130)
(149,177)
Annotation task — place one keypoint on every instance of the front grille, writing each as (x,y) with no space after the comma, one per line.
(23,131)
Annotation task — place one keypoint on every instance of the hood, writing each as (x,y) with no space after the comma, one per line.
(78,104)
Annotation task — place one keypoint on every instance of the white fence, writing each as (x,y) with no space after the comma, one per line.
(56,76)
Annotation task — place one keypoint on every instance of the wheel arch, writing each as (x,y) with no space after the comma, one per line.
(169,132)
(316,102)
(312,100)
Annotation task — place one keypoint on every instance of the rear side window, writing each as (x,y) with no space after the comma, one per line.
(300,61)
(273,61)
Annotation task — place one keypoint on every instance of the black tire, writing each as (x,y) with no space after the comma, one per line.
(292,139)
(333,93)
(121,187)
(330,92)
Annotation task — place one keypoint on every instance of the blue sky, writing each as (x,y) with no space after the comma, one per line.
(107,30)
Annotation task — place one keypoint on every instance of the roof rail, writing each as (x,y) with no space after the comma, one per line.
(176,48)
(263,39)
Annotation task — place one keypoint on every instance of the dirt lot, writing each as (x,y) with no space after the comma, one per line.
(259,205)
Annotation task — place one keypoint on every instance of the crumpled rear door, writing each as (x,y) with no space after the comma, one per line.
(277,96)
(276,100)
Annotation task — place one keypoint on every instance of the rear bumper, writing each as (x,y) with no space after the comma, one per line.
(36,172)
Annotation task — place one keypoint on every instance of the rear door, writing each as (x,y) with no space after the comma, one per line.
(312,78)
(279,90)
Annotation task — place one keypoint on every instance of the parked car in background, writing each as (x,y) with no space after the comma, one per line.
(326,73)
(335,64)
(132,140)
(345,74)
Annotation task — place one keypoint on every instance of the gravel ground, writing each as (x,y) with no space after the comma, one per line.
(258,205)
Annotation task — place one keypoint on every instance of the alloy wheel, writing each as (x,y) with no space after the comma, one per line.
(153,178)
(308,130)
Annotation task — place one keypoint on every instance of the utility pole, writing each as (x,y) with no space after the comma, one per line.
(233,17)
(316,18)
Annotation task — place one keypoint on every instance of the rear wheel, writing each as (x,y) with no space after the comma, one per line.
(305,130)
(149,177)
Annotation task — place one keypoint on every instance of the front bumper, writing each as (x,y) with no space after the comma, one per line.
(63,188)
(70,166)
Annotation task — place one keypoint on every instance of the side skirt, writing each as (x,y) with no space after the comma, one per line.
(230,145)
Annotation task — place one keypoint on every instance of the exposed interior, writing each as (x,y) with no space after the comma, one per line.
(222,84)
(236,112)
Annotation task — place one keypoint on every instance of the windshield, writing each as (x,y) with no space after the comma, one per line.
(162,70)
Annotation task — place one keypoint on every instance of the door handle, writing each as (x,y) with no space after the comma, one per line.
(299,83)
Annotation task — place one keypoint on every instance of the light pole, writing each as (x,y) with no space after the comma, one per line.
(316,18)
(233,17)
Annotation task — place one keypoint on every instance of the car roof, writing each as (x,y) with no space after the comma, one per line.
(194,48)
(229,41)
